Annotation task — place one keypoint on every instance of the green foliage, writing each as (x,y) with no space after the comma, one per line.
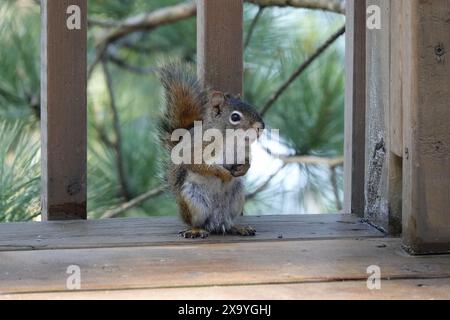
(19,173)
(309,114)
(19,67)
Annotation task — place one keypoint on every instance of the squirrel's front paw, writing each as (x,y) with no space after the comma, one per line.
(239,170)
(194,233)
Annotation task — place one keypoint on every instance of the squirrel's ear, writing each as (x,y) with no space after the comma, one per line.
(217,100)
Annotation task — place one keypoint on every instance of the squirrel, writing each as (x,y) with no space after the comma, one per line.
(209,196)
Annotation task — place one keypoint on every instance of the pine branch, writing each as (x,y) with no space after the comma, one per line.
(301,69)
(125,65)
(265,184)
(312,160)
(188,9)
(99,56)
(103,23)
(151,20)
(118,132)
(114,213)
(182,11)
(10,96)
(337,6)
(306,159)
(253,26)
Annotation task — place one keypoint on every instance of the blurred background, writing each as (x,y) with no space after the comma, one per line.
(125,97)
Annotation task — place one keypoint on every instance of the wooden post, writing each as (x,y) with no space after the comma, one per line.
(426,130)
(394,119)
(397,51)
(63,108)
(355,96)
(383,167)
(220,44)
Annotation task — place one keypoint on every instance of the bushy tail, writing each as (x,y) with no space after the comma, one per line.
(184,100)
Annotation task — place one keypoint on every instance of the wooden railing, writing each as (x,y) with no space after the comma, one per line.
(413,97)
(64,81)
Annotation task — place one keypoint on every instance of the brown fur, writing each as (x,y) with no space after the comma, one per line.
(184,210)
(187,102)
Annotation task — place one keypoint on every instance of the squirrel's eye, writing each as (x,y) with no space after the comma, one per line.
(235,117)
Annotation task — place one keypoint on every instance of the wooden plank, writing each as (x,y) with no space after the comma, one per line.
(355,102)
(383,186)
(220,44)
(420,289)
(216,264)
(397,45)
(63,109)
(377,108)
(426,135)
(164,230)
(394,120)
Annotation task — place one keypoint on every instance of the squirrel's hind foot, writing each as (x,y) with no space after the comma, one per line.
(194,233)
(246,231)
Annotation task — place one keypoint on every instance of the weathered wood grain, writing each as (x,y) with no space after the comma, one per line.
(164,230)
(383,186)
(355,102)
(196,265)
(377,115)
(426,130)
(63,111)
(220,44)
(397,49)
(394,121)
(421,289)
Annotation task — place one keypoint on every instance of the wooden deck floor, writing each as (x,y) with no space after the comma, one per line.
(293,257)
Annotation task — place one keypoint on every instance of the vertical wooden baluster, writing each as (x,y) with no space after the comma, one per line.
(63,108)
(220,44)
(355,104)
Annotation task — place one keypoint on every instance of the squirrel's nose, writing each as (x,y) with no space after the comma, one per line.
(259,127)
